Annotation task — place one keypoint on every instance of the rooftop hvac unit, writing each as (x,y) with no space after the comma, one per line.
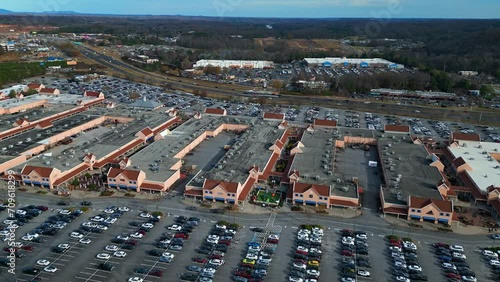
(344,188)
(317,177)
(47,163)
(66,164)
(330,172)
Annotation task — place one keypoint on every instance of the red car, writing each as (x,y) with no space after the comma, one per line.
(200,260)
(243,274)
(437,245)
(273,241)
(225,242)
(453,275)
(347,253)
(300,261)
(301,252)
(214,256)
(181,235)
(132,242)
(247,265)
(43,208)
(142,232)
(392,241)
(7,249)
(27,248)
(156,272)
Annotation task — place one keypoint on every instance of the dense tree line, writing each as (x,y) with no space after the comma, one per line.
(12,72)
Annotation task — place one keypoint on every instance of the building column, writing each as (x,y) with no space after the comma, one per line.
(421,219)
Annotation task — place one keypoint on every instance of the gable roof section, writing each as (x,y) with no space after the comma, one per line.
(34,85)
(419,203)
(48,90)
(273,116)
(215,111)
(147,131)
(21,121)
(325,123)
(322,190)
(230,187)
(42,171)
(397,128)
(458,162)
(465,136)
(92,94)
(129,174)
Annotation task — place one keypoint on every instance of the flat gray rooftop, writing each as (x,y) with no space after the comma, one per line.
(34,137)
(155,161)
(316,162)
(250,148)
(406,166)
(7,121)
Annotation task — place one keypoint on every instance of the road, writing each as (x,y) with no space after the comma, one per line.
(476,116)
(369,220)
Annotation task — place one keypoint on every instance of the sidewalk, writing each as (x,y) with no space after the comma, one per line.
(460,229)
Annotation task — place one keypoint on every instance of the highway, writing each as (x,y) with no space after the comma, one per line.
(487,117)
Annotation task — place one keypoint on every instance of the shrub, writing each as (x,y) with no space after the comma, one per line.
(157,214)
(392,237)
(234,226)
(222,222)
(22,189)
(41,192)
(407,239)
(444,229)
(84,209)
(106,193)
(297,208)
(129,195)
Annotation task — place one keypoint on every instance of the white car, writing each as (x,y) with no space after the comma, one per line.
(253,256)
(312,272)
(457,248)
(363,273)
(109,211)
(135,279)
(65,212)
(21,212)
(168,255)
(76,235)
(50,268)
(8,221)
(212,241)
(315,239)
(174,227)
(43,262)
(27,238)
(399,264)
(487,253)
(120,254)
(217,262)
(299,265)
(395,249)
(448,265)
(123,209)
(494,262)
(89,224)
(220,226)
(295,279)
(102,227)
(361,237)
(254,248)
(402,279)
(4,233)
(459,255)
(145,215)
(303,249)
(274,237)
(111,248)
(410,245)
(136,235)
(63,246)
(16,244)
(103,256)
(122,237)
(147,225)
(317,230)
(85,241)
(209,270)
(414,267)
(166,241)
(469,278)
(97,218)
(315,250)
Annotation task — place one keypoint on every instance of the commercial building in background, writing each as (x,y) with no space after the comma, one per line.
(8,46)
(352,63)
(409,94)
(234,64)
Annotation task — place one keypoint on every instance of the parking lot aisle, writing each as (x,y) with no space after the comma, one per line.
(429,261)
(331,255)
(280,265)
(478,264)
(378,256)
(235,254)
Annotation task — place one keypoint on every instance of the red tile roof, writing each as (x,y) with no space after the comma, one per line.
(152,186)
(325,123)
(397,128)
(34,85)
(394,210)
(458,162)
(129,174)
(17,177)
(419,203)
(48,90)
(42,171)
(465,136)
(166,125)
(269,167)
(230,187)
(342,203)
(21,121)
(194,192)
(147,131)
(247,188)
(92,93)
(71,174)
(44,124)
(496,205)
(322,190)
(215,111)
(273,116)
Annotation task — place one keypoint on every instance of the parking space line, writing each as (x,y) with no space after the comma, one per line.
(87,279)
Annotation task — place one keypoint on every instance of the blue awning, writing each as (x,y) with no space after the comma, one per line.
(112,184)
(209,197)
(429,218)
(415,216)
(26,181)
(220,199)
(36,182)
(444,220)
(299,201)
(230,201)
(311,202)
(46,184)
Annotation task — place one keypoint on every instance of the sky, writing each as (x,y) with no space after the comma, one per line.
(271,8)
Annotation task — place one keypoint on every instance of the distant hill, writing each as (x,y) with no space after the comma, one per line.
(3,11)
(7,12)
